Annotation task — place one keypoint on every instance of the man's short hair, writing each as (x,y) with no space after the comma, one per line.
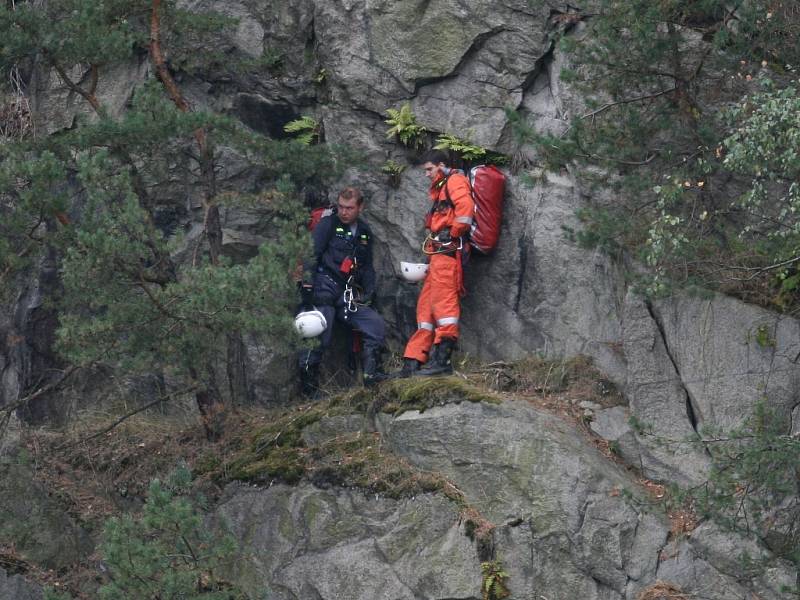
(435,157)
(352,193)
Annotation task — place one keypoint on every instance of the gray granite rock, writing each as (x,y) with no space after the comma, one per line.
(329,428)
(611,423)
(659,402)
(308,543)
(558,496)
(568,522)
(731,355)
(16,587)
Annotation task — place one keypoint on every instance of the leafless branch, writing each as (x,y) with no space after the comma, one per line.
(8,410)
(125,417)
(755,272)
(605,107)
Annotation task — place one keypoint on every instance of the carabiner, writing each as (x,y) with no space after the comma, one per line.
(349,301)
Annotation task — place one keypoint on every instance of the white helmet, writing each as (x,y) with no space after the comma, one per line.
(413,271)
(310,323)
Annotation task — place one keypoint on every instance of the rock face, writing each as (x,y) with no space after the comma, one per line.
(310,543)
(563,528)
(459,67)
(569,522)
(730,355)
(658,400)
(537,292)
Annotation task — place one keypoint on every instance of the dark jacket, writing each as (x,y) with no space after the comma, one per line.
(334,243)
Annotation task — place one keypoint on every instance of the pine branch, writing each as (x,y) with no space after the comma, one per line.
(62,75)
(94,77)
(211,223)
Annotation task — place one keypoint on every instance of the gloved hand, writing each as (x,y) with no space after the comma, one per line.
(444,237)
(306,295)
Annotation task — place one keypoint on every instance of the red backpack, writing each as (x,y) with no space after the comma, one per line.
(318,214)
(314,217)
(488,185)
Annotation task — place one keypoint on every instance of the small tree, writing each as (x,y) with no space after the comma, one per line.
(754,487)
(137,297)
(167,553)
(657,78)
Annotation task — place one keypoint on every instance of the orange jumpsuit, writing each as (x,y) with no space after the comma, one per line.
(438,306)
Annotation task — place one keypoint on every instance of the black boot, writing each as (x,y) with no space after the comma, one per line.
(371,365)
(441,359)
(309,381)
(410,366)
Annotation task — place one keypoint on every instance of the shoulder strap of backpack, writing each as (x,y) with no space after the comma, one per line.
(332,230)
(450,203)
(447,202)
(447,191)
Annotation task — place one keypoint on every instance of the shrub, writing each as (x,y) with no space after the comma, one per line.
(167,553)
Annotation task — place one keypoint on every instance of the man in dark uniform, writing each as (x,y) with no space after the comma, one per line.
(340,282)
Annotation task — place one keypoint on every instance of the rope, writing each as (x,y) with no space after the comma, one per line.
(444,248)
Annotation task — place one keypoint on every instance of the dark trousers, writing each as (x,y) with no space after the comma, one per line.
(329,300)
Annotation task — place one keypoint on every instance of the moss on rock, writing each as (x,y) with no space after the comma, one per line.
(279,451)
(419,393)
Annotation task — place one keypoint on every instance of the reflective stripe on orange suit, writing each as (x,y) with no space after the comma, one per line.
(438,302)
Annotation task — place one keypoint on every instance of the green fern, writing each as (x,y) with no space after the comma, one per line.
(394,170)
(320,77)
(392,167)
(467,151)
(404,125)
(494,586)
(306,129)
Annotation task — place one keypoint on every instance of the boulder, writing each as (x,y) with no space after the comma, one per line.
(559,518)
(328,544)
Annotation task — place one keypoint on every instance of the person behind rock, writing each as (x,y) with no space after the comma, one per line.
(340,283)
(438,307)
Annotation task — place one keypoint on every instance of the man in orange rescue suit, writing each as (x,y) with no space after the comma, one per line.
(438,307)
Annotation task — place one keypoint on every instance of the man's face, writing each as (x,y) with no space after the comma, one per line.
(432,171)
(348,210)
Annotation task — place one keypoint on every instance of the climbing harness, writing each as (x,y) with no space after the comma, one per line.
(431,242)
